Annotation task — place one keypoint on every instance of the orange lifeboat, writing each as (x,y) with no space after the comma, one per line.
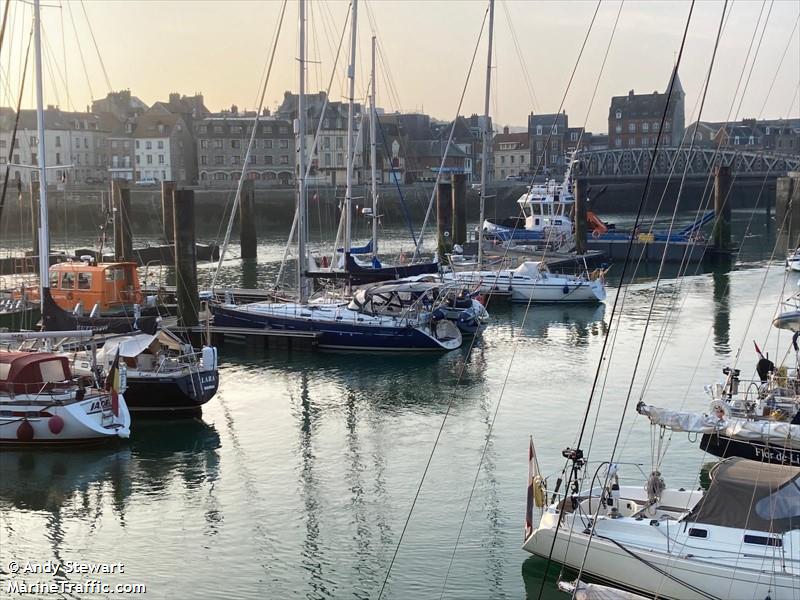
(113,286)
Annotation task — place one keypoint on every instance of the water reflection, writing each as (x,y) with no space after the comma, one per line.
(722,312)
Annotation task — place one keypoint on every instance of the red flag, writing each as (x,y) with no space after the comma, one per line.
(758,350)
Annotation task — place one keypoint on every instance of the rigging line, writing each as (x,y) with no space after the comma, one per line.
(3,26)
(97,49)
(520,57)
(277,36)
(449,140)
(622,284)
(64,55)
(16,126)
(80,50)
(755,56)
(314,144)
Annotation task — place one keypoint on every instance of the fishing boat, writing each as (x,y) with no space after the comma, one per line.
(533,282)
(164,375)
(42,402)
(734,540)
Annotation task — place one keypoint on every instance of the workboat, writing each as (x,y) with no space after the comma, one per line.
(738,539)
(164,375)
(380,317)
(43,403)
(532,281)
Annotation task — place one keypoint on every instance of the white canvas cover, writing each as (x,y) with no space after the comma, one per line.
(773,432)
(130,346)
(530,269)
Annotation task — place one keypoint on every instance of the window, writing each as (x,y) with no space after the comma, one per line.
(204,143)
(736,141)
(2,143)
(138,159)
(283,130)
(284,159)
(68,281)
(58,140)
(751,141)
(160,144)
(161,159)
(267,160)
(284,144)
(618,142)
(631,127)
(573,136)
(339,142)
(54,279)
(555,130)
(326,123)
(645,127)
(512,159)
(202,129)
(219,160)
(84,280)
(85,142)
(326,143)
(217,128)
(538,130)
(502,160)
(327,160)
(554,145)
(35,158)
(149,159)
(203,160)
(32,140)
(268,144)
(266,129)
(137,144)
(58,158)
(235,160)
(339,159)
(220,176)
(539,146)
(148,145)
(253,159)
(236,144)
(218,144)
(667,126)
(655,126)
(631,141)
(236,129)
(619,114)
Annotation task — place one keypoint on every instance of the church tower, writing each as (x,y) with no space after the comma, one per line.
(676,108)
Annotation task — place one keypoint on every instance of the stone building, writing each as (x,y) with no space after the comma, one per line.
(512,154)
(222,141)
(634,120)
(548,135)
(163,147)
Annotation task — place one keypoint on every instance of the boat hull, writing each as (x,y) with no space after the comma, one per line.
(725,447)
(185,393)
(642,570)
(84,422)
(342,335)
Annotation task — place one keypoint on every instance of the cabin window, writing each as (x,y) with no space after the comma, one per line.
(763,540)
(5,369)
(115,274)
(68,281)
(84,281)
(54,279)
(52,371)
(698,533)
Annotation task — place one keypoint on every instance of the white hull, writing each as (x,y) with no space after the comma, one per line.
(84,421)
(658,557)
(793,261)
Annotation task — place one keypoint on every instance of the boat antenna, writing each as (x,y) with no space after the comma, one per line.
(44,238)
(351,77)
(487,136)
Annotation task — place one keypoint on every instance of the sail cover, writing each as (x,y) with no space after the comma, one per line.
(749,495)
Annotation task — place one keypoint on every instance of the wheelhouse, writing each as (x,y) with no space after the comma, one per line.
(112,286)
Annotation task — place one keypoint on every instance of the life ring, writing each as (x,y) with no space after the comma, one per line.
(596,234)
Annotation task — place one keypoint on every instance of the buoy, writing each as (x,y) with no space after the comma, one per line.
(25,431)
(55,424)
(565,289)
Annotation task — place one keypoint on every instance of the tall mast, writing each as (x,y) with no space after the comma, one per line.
(486,136)
(44,241)
(351,76)
(373,155)
(302,262)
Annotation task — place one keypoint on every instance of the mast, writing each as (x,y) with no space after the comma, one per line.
(302,262)
(44,239)
(351,76)
(486,137)
(372,156)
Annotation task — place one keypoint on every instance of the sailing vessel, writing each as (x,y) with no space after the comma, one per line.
(793,260)
(735,539)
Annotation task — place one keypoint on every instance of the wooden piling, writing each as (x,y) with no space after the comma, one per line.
(581,186)
(722,208)
(247,221)
(167,217)
(459,209)
(123,238)
(444,218)
(185,258)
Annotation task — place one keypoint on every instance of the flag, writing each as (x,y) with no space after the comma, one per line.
(529,501)
(113,384)
(758,350)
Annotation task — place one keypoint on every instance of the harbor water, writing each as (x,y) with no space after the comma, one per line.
(298,480)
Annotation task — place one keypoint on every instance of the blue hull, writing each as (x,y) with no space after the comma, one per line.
(339,336)
(525,235)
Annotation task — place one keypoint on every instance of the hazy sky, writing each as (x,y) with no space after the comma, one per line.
(221,48)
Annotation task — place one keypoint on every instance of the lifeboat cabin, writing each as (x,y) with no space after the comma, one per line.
(114,287)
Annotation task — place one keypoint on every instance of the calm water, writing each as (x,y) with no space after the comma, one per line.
(298,479)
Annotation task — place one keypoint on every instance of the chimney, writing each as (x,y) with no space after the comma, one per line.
(630,94)
(505,129)
(234,109)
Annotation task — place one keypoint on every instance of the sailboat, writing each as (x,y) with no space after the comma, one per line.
(360,325)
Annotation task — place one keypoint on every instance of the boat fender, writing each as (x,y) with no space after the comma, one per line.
(596,234)
(55,424)
(720,409)
(539,492)
(438,315)
(25,431)
(565,289)
(209,358)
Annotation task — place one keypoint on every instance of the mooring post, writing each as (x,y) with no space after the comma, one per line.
(459,208)
(185,258)
(247,221)
(167,220)
(123,239)
(581,186)
(444,218)
(722,208)
(34,202)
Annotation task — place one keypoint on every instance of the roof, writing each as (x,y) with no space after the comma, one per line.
(548,120)
(148,124)
(422,148)
(751,495)
(521,139)
(56,119)
(639,106)
(72,265)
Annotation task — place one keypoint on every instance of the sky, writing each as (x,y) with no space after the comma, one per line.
(221,49)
